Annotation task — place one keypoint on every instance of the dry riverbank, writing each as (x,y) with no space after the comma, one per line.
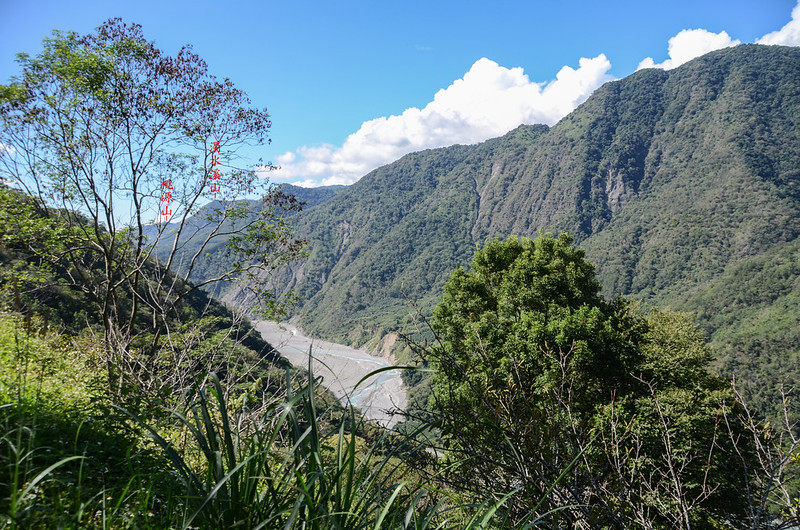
(342,368)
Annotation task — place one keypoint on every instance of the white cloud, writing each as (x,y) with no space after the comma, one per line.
(488,101)
(286,158)
(687,45)
(788,35)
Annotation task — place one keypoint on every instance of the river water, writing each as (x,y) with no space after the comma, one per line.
(341,368)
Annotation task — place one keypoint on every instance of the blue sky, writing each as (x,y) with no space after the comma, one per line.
(352,85)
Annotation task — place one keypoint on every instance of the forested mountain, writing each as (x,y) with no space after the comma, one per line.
(129,396)
(312,196)
(199,226)
(683,186)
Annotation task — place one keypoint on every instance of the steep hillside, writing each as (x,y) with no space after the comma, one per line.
(395,235)
(683,187)
(198,228)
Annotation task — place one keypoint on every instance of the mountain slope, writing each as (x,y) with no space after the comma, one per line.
(676,183)
(395,234)
(198,228)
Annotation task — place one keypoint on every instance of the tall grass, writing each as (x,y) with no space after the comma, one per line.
(63,461)
(280,471)
(295,464)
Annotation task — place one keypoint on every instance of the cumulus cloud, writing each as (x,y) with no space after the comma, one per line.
(488,101)
(687,45)
(286,158)
(691,43)
(788,35)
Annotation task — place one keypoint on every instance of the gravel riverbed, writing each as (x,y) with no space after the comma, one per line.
(341,368)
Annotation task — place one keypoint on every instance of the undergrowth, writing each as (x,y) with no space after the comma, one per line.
(71,459)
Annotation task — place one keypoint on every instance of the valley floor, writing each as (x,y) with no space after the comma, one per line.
(342,367)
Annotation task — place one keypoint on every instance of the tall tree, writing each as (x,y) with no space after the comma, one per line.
(124,144)
(600,416)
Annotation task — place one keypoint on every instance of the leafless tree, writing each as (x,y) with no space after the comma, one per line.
(770,479)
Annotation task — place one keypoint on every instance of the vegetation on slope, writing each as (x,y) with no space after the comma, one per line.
(564,439)
(69,459)
(200,334)
(129,398)
(529,352)
(677,184)
(215,253)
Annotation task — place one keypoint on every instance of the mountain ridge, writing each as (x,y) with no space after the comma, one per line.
(668,179)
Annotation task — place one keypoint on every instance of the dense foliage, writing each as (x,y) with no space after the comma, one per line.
(573,410)
(534,370)
(131,398)
(69,459)
(202,335)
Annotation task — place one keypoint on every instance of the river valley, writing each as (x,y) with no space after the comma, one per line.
(341,368)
